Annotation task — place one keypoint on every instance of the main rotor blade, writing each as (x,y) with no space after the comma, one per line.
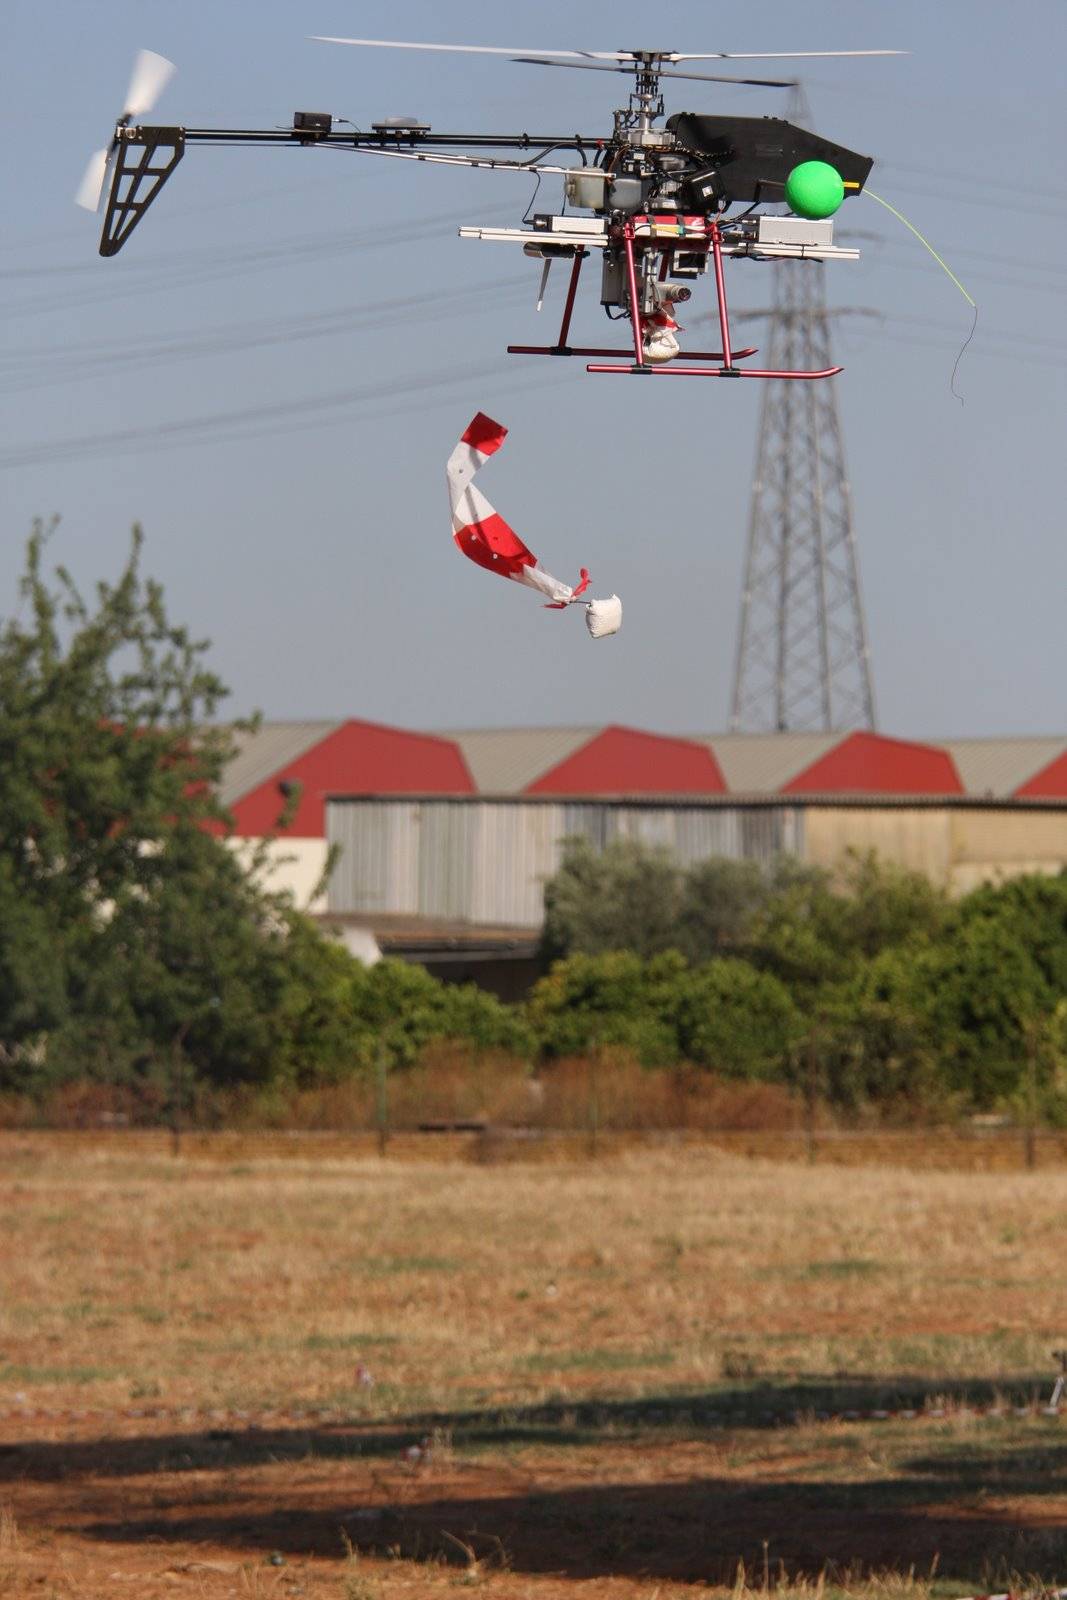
(634,57)
(473,49)
(779,55)
(151,74)
(92,185)
(713,77)
(692,77)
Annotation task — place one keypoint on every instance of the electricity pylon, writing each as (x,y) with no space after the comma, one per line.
(803,659)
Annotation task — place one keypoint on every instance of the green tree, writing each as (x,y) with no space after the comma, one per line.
(737,1020)
(612,998)
(319,1039)
(814,932)
(720,900)
(886,905)
(983,987)
(1033,910)
(105,732)
(625,897)
(190,957)
(125,922)
(410,1008)
(876,1043)
(33,994)
(800,936)
(947,1015)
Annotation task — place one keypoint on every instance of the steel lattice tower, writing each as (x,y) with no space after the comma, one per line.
(803,660)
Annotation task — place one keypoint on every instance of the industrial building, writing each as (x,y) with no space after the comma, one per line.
(444,841)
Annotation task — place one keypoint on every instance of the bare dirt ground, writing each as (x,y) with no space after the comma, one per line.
(363,1378)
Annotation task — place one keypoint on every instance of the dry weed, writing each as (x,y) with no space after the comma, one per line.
(356,1584)
(373,1287)
(619,1371)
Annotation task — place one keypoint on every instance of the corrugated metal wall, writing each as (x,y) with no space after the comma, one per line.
(487,861)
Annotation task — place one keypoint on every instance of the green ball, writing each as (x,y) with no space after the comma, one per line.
(814,190)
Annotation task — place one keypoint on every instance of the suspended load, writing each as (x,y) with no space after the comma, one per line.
(483,535)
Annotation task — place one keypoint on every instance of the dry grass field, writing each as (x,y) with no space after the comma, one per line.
(233,1374)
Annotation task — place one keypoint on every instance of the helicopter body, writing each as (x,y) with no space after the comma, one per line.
(657,200)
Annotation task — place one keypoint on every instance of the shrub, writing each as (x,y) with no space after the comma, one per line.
(737,1020)
(625,897)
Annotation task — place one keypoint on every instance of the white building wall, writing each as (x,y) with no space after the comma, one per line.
(486,862)
(292,866)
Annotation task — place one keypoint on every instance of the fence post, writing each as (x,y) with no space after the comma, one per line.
(381,1096)
(177,1086)
(594,1100)
(176,1098)
(811,1096)
(1030,1143)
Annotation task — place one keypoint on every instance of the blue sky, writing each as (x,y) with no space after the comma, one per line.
(311,544)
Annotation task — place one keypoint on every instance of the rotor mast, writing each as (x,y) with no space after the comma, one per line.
(646,98)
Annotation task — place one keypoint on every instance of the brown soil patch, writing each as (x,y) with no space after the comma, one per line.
(295,1512)
(214,1373)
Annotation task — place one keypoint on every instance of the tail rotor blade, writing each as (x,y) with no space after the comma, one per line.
(151,74)
(92,185)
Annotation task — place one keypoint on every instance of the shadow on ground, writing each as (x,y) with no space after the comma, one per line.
(978,1513)
(560,1424)
(696,1530)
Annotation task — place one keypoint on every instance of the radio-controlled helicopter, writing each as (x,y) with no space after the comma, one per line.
(656,202)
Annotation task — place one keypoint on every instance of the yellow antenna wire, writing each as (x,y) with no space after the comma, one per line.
(923,241)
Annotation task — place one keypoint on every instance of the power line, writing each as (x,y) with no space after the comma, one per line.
(39,370)
(207,266)
(370,407)
(982,198)
(1002,280)
(218,426)
(989,182)
(965,254)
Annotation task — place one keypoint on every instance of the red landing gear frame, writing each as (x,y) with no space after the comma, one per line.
(725,357)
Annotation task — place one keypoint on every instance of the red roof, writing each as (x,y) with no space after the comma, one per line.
(869,763)
(627,761)
(368,759)
(356,758)
(1048,784)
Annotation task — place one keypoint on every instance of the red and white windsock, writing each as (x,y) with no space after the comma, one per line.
(483,535)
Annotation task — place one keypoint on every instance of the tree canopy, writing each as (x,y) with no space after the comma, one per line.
(904,997)
(133,938)
(109,766)
(129,931)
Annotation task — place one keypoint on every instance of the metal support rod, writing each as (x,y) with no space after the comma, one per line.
(572,290)
(635,308)
(370,139)
(720,293)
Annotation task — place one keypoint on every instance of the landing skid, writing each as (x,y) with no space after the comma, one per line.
(591,350)
(671,371)
(724,357)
